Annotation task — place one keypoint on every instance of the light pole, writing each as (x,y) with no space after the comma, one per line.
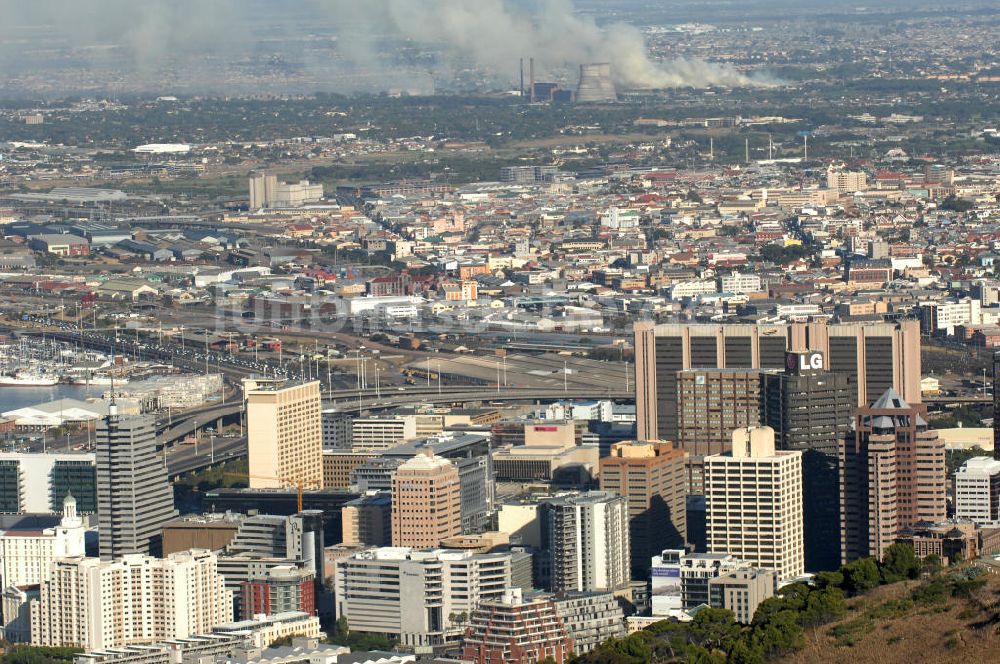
(357,371)
(211,440)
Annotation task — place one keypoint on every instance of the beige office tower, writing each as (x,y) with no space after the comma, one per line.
(753,498)
(284,434)
(876,356)
(426,502)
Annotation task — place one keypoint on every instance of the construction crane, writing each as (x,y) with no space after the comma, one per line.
(298,483)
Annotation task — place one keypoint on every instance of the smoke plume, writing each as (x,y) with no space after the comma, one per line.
(227,46)
(494,34)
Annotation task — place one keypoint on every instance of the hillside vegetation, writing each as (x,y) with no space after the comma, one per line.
(900,610)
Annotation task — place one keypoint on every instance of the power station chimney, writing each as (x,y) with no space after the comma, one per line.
(522,77)
(531,79)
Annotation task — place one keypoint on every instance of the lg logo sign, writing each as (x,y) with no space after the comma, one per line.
(804,361)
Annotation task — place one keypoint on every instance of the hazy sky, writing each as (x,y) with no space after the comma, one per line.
(147,39)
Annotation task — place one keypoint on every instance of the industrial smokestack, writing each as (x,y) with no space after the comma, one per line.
(522,77)
(596,84)
(531,79)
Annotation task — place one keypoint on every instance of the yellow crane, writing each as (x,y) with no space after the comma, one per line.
(298,483)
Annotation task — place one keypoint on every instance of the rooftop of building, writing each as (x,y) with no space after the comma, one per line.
(440,445)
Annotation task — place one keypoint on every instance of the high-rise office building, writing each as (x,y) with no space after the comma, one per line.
(516,630)
(753,497)
(417,596)
(264,541)
(811,410)
(651,478)
(808,406)
(368,520)
(284,434)
(472,455)
(94,604)
(134,496)
(996,405)
(586,537)
(892,476)
(711,404)
(37,482)
(875,356)
(426,501)
(977,490)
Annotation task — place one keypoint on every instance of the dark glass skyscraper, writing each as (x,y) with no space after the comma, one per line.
(134,497)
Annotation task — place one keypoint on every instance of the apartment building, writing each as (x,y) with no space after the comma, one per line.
(94,604)
(977,490)
(586,537)
(27,555)
(516,630)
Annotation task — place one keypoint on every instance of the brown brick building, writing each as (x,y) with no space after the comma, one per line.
(892,476)
(426,502)
(651,477)
(516,631)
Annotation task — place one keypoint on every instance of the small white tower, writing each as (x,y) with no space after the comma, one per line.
(70,535)
(69,518)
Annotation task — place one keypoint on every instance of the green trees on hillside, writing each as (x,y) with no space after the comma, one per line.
(780,623)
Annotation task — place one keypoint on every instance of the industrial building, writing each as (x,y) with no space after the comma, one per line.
(596,84)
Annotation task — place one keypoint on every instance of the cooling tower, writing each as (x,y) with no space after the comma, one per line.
(596,83)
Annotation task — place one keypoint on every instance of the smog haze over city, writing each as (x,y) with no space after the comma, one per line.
(499,331)
(230,46)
